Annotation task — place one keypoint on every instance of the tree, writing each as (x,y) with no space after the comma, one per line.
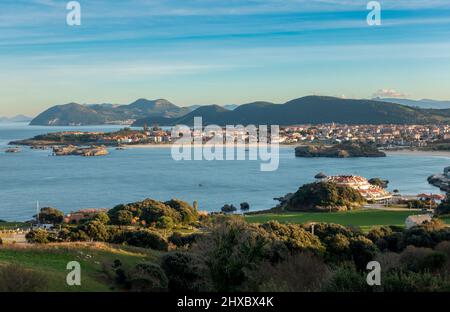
(245,206)
(102,217)
(50,215)
(379,182)
(96,231)
(230,252)
(122,217)
(363,251)
(228,208)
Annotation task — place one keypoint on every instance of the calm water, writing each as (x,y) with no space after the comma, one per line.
(71,183)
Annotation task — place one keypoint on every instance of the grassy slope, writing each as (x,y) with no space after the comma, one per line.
(52,260)
(361,218)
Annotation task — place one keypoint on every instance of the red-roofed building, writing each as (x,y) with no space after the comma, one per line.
(367,190)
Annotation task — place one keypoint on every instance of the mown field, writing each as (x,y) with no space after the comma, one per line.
(51,260)
(360,218)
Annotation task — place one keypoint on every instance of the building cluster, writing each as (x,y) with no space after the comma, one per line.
(85,214)
(360,184)
(383,135)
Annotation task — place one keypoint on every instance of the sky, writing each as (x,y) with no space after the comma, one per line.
(198,52)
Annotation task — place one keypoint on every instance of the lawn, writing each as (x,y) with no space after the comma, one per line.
(361,218)
(52,261)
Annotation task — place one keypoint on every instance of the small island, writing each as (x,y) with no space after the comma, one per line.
(80,151)
(341,150)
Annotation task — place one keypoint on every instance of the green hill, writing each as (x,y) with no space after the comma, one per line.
(98,114)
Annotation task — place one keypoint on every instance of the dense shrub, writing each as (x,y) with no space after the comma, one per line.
(362,251)
(140,238)
(347,279)
(146,277)
(102,217)
(300,272)
(182,240)
(414,282)
(183,271)
(151,211)
(427,235)
(422,259)
(293,236)
(95,230)
(229,253)
(444,207)
(40,236)
(121,217)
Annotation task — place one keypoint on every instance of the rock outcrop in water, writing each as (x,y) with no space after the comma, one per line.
(80,151)
(344,150)
(441,180)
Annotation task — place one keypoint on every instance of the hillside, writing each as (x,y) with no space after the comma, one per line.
(97,114)
(312,110)
(51,260)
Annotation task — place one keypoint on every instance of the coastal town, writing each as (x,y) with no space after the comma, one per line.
(383,136)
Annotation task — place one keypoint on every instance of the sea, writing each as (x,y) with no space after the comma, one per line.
(70,183)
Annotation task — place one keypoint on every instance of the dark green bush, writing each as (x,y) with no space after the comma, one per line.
(183,271)
(140,238)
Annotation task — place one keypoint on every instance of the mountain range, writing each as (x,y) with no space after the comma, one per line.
(424,103)
(309,109)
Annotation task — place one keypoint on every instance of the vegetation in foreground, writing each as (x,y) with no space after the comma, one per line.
(233,255)
(170,246)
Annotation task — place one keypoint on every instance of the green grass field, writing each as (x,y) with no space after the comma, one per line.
(52,261)
(361,218)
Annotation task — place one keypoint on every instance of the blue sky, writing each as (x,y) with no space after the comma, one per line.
(221,52)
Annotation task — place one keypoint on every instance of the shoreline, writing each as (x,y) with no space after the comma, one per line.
(417,153)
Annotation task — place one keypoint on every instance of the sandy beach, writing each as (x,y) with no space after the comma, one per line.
(419,153)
